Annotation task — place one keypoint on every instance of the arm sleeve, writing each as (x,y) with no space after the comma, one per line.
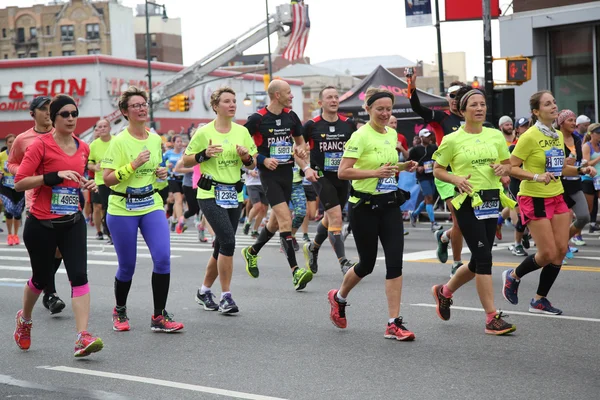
(353,147)
(298,128)
(113,158)
(443,155)
(31,161)
(15,157)
(426,113)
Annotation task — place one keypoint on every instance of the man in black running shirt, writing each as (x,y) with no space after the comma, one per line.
(277,132)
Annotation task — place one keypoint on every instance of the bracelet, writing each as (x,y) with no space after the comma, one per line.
(249,162)
(305,168)
(579,171)
(535,177)
(52,179)
(201,157)
(124,172)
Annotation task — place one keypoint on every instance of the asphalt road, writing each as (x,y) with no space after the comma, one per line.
(282,344)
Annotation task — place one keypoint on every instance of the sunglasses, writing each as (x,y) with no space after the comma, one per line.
(452,95)
(65,114)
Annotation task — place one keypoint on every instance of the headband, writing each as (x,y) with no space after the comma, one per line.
(58,103)
(466,96)
(564,115)
(379,95)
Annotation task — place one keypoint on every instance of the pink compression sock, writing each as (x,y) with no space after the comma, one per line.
(490,317)
(446,292)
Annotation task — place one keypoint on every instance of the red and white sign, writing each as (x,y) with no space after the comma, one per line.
(72,87)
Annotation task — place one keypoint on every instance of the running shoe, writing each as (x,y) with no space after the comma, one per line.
(442,248)
(455,266)
(511,287)
(577,241)
(251,262)
(436,227)
(406,233)
(573,249)
(109,241)
(99,236)
(499,232)
(346,265)
(570,255)
(246,229)
(87,344)
(120,320)
(22,333)
(345,232)
(227,305)
(305,237)
(165,323)
(518,250)
(202,235)
(543,306)
(295,244)
(242,220)
(206,300)
(594,228)
(527,240)
(53,303)
(16,240)
(301,278)
(180,227)
(442,303)
(254,234)
(397,330)
(413,220)
(9,240)
(173,226)
(337,315)
(311,256)
(498,326)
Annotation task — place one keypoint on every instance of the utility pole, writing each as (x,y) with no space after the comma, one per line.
(487,59)
(439,48)
(269,41)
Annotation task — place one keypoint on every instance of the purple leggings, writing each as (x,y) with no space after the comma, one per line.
(155,230)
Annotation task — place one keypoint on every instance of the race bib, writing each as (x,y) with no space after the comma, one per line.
(6,166)
(139,203)
(555,159)
(65,200)
(332,161)
(428,167)
(226,196)
(386,185)
(281,151)
(488,210)
(9,181)
(597,182)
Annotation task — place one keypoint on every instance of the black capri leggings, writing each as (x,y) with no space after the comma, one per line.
(190,198)
(369,226)
(479,235)
(41,243)
(224,222)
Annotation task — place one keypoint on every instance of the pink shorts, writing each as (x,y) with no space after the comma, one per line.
(535,208)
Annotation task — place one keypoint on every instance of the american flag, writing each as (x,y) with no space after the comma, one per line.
(299,35)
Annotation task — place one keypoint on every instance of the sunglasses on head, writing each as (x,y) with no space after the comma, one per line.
(65,114)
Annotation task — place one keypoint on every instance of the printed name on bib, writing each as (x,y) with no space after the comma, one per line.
(140,199)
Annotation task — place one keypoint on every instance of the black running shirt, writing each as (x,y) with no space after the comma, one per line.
(273,133)
(327,140)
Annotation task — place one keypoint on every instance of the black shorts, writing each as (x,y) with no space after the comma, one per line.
(101,197)
(175,186)
(277,184)
(11,194)
(332,191)
(310,192)
(256,193)
(588,187)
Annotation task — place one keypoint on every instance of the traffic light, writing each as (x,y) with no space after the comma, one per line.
(183,102)
(518,69)
(266,80)
(173,104)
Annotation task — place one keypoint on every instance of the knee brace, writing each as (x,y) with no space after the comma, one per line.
(363,269)
(297,221)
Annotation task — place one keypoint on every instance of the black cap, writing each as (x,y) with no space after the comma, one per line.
(522,122)
(38,102)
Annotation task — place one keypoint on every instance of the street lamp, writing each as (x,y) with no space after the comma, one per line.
(247,100)
(164,18)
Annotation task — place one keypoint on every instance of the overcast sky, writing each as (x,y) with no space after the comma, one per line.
(339,29)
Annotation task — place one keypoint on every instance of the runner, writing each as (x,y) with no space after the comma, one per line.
(505,125)
(176,184)
(591,186)
(39,109)
(370,160)
(541,152)
(298,206)
(273,128)
(222,147)
(402,145)
(193,209)
(583,122)
(100,199)
(449,122)
(14,202)
(478,157)
(131,168)
(53,168)
(258,198)
(327,134)
(312,208)
(422,155)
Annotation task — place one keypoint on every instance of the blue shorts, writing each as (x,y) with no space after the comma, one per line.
(427,187)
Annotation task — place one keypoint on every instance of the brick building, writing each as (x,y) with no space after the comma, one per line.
(165,36)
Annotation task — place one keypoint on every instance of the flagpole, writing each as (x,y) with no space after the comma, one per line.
(269,41)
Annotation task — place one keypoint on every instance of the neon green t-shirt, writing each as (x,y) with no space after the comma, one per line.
(224,167)
(97,150)
(472,154)
(371,150)
(8,179)
(122,150)
(537,150)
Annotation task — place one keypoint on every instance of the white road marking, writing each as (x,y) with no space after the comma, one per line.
(13,279)
(106,246)
(427,254)
(25,269)
(160,382)
(90,262)
(514,312)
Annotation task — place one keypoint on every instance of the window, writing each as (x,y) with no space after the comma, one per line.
(47,30)
(67,32)
(33,32)
(153,58)
(6,56)
(49,54)
(93,51)
(32,55)
(21,55)
(20,35)
(153,40)
(68,52)
(3,32)
(92,31)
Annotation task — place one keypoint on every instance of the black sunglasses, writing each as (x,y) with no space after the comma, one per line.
(452,95)
(65,114)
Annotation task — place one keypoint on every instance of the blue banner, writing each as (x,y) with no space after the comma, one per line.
(418,13)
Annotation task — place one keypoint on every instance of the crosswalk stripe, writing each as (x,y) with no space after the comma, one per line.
(90,262)
(24,269)
(93,252)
